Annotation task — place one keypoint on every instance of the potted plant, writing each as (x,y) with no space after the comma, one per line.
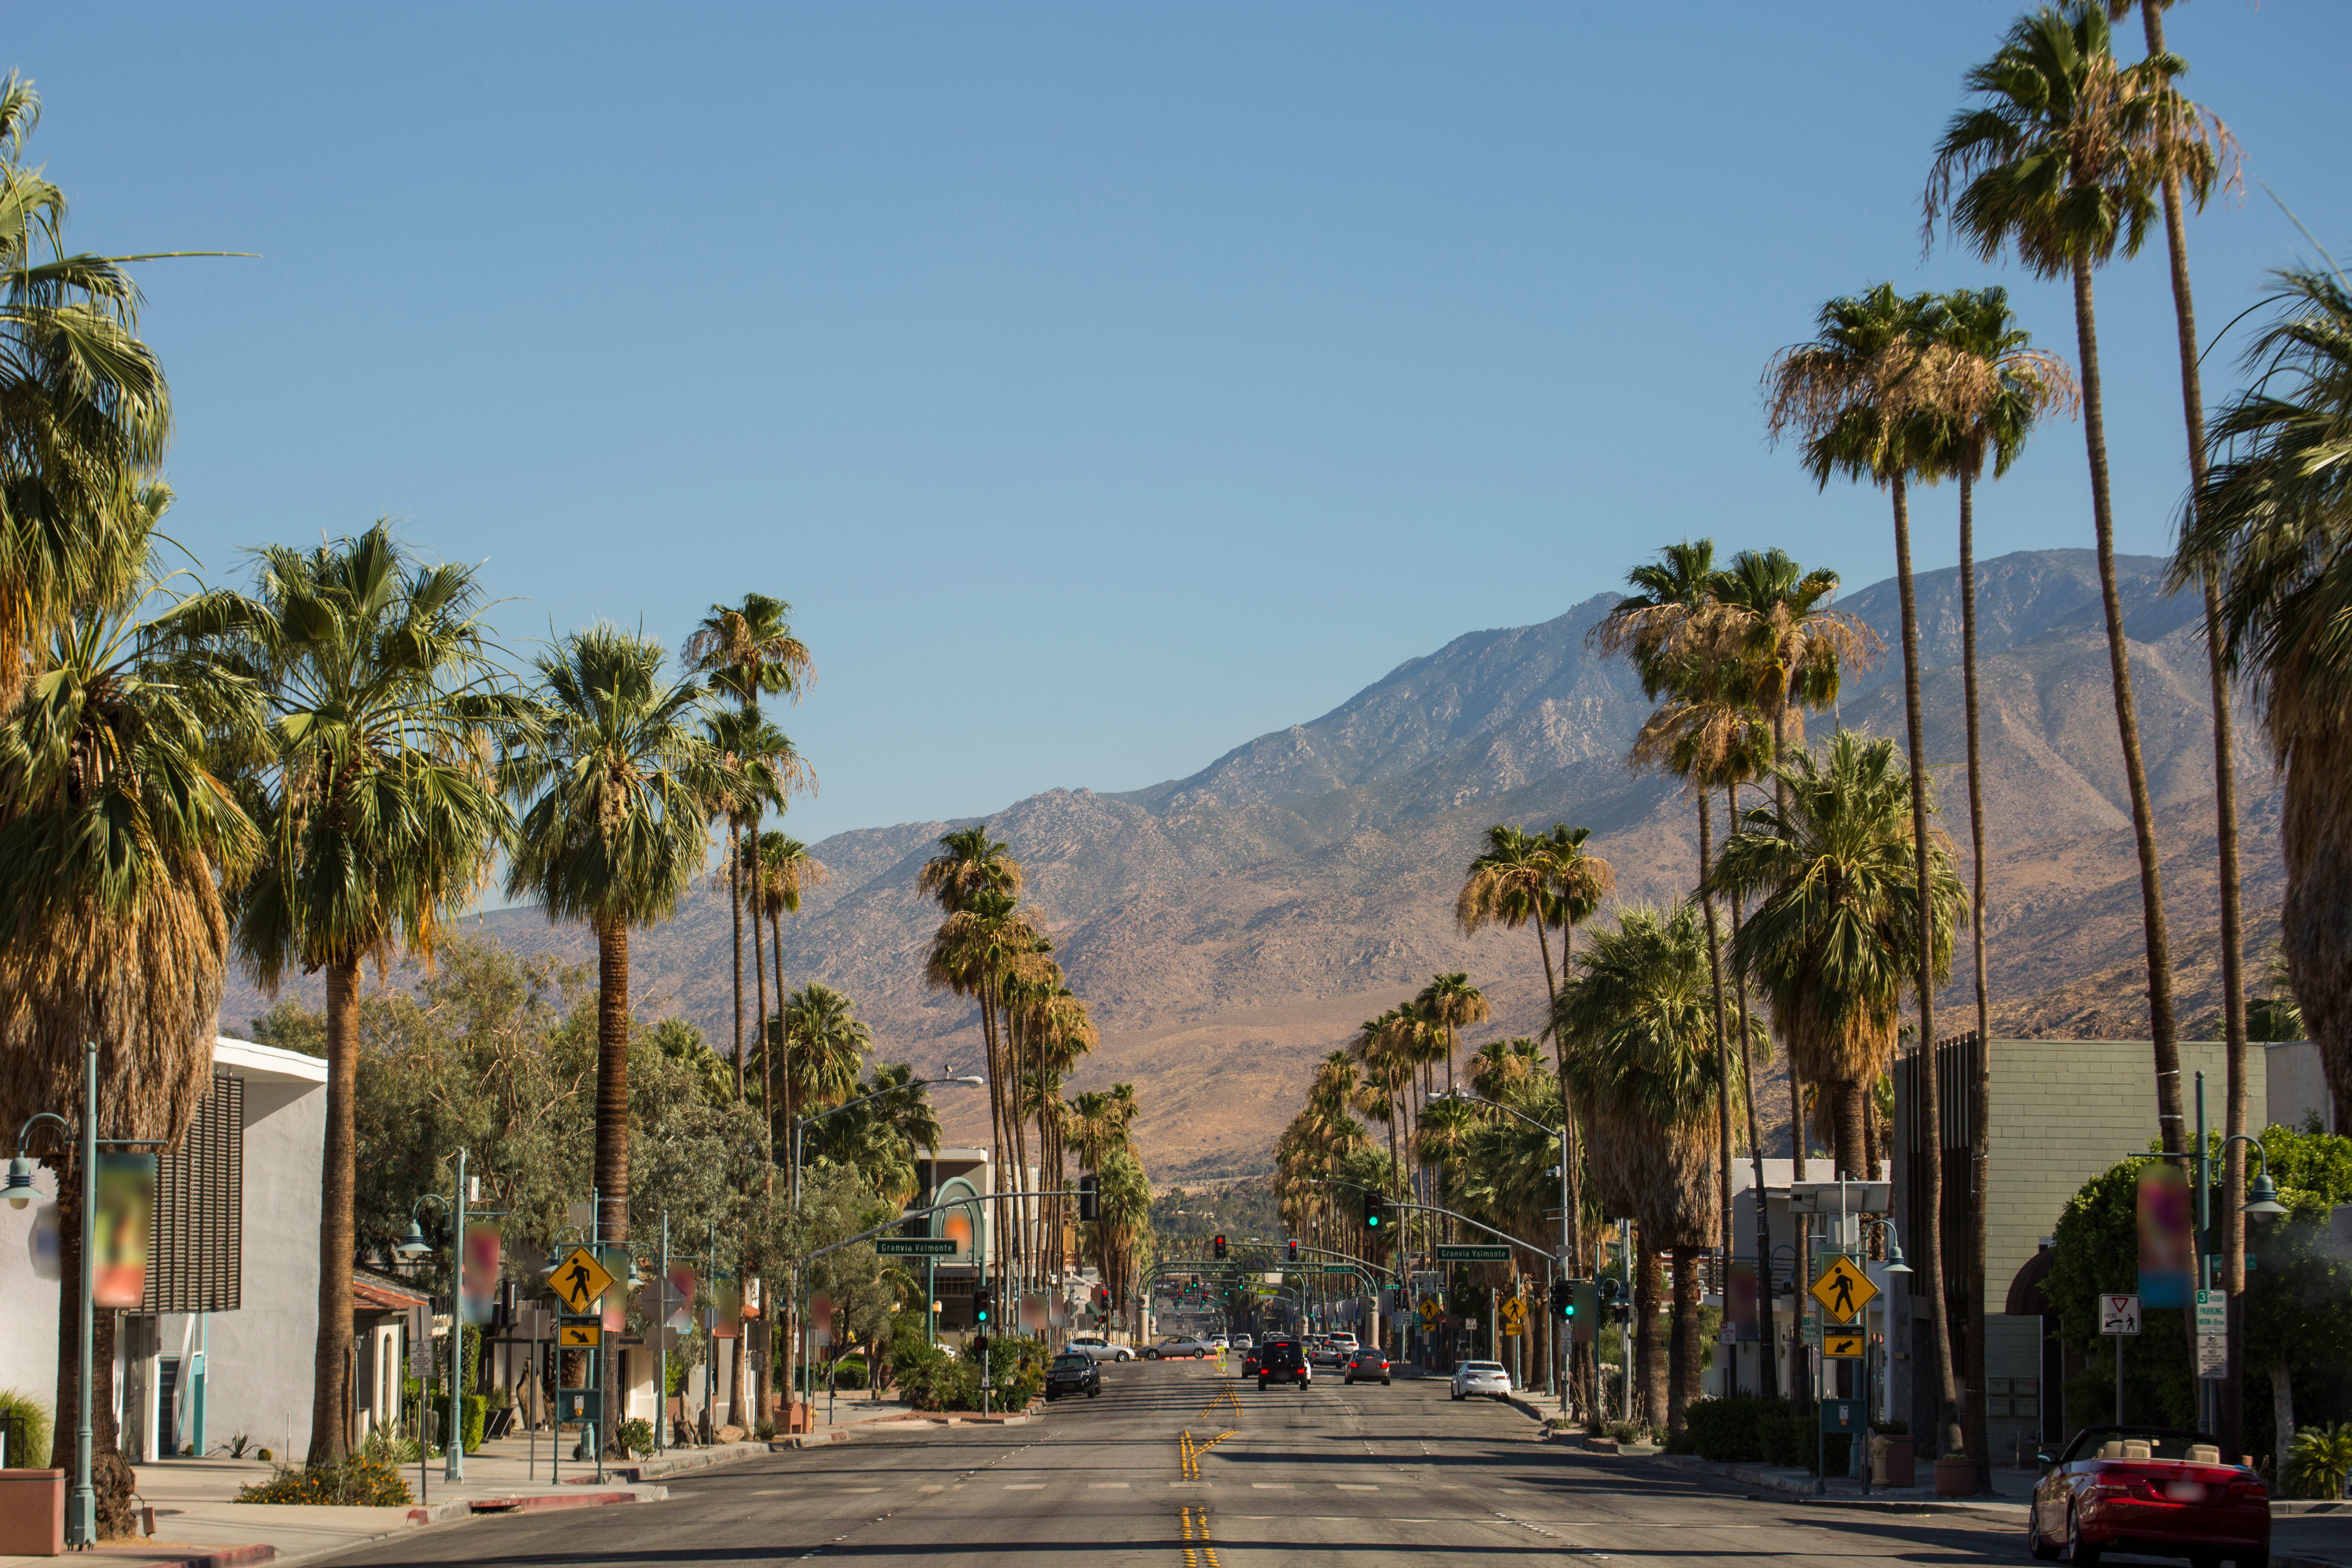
(1955,1476)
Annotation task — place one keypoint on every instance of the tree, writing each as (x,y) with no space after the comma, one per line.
(1643,1066)
(824,1047)
(2020,384)
(779,871)
(379,810)
(2062,158)
(613,772)
(1863,397)
(119,822)
(756,767)
(2273,523)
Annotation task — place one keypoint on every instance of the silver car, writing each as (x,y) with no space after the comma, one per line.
(1094,1347)
(1482,1377)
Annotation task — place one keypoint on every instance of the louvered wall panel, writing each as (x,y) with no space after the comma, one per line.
(196,1264)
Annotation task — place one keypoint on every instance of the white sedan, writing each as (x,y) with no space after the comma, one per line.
(1094,1347)
(1482,1377)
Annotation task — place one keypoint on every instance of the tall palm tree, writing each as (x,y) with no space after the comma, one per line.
(2273,523)
(748,651)
(757,766)
(1509,884)
(2225,771)
(1643,1064)
(1863,397)
(2023,384)
(824,1047)
(379,809)
(613,776)
(85,414)
(119,821)
(1836,933)
(2062,157)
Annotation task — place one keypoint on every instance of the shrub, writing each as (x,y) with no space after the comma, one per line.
(636,1436)
(358,1479)
(2319,1460)
(849,1372)
(264,1455)
(26,1420)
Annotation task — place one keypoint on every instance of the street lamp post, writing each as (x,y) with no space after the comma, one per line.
(414,1245)
(1567,1247)
(2261,1203)
(81,1504)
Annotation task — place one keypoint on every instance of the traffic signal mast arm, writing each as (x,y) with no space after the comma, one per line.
(811,1256)
(1432,1208)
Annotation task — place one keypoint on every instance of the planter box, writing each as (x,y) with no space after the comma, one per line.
(1955,1476)
(32,1513)
(1891,1461)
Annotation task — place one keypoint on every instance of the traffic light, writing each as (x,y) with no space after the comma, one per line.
(980,1305)
(1376,1212)
(1221,1248)
(1294,1249)
(1563,1298)
(1089,1198)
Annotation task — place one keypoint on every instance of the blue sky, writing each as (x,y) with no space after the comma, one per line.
(1105,385)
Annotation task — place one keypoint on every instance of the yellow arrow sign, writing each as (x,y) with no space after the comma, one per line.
(579,1279)
(1844,1290)
(578,1336)
(1842,1343)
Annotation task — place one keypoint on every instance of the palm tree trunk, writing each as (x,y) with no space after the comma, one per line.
(1688,1362)
(613,1080)
(760,991)
(1948,1439)
(735,907)
(776,932)
(1766,1334)
(1796,1084)
(1649,1355)
(1974,1437)
(1852,1132)
(2225,809)
(2169,1123)
(338,1241)
(1722,1028)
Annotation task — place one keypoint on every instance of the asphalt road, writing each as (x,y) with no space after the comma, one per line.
(1396,1477)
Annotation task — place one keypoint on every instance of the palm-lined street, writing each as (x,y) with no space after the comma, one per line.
(1396,1476)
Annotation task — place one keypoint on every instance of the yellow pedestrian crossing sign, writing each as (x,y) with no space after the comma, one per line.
(578,1280)
(1430,1311)
(1515,1316)
(578,1336)
(1844,1290)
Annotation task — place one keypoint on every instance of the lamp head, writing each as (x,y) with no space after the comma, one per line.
(18,1188)
(970,1080)
(2262,1199)
(1895,1263)
(414,1243)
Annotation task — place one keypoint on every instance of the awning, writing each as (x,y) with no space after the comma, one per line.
(2025,1297)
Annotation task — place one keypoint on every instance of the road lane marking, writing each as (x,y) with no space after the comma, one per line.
(1198,1553)
(1274,1486)
(932,1488)
(1108,1486)
(861,1489)
(1356,1487)
(1024,1486)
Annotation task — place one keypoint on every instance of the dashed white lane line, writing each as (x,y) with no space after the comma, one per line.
(1109,1485)
(1356,1487)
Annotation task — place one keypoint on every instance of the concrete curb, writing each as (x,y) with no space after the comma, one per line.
(677,1461)
(193,1557)
(1800,1489)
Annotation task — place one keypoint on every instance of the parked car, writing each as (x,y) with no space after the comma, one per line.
(1482,1377)
(1097,1348)
(1282,1360)
(1367,1362)
(1179,1345)
(2154,1491)
(1242,1341)
(1073,1373)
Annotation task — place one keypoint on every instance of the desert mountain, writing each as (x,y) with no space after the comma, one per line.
(1231,927)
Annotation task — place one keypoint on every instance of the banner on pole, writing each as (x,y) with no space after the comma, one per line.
(125,1226)
(483,1239)
(2167,1254)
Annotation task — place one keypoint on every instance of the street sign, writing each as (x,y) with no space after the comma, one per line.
(1514,1317)
(1472,1252)
(916,1247)
(1808,1328)
(578,1336)
(420,1358)
(1842,1343)
(2118,1314)
(578,1280)
(1339,1268)
(1430,1311)
(2212,1313)
(1843,1289)
(2212,1355)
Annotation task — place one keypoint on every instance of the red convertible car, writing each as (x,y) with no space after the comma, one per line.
(2150,1491)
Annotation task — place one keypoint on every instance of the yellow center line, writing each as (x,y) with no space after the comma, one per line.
(1198,1553)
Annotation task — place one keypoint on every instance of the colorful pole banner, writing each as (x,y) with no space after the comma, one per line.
(2167,1221)
(727,1303)
(125,1228)
(483,1239)
(681,1297)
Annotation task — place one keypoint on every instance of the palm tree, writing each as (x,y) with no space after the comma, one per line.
(613,776)
(1642,1063)
(1509,884)
(2062,157)
(1836,934)
(758,766)
(380,813)
(2225,781)
(749,652)
(118,824)
(2023,384)
(778,868)
(824,1047)
(2273,523)
(85,415)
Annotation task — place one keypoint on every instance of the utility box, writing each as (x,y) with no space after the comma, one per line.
(32,1513)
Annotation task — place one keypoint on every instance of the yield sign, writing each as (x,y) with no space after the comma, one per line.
(1844,1290)
(579,1279)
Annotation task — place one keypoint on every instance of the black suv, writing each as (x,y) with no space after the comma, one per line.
(1074,1373)
(1281,1361)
